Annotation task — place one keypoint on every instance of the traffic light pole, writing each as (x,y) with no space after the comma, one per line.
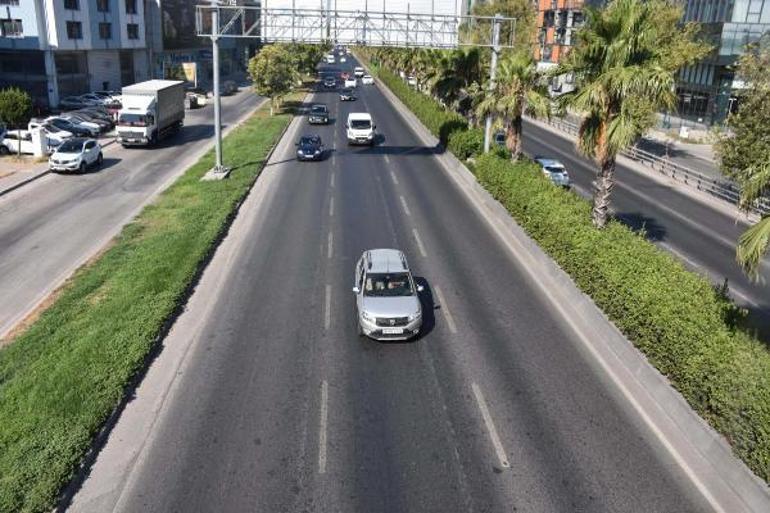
(492,74)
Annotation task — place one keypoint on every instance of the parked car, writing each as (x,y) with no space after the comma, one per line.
(94,128)
(358,71)
(18,141)
(411,81)
(229,87)
(97,113)
(346,95)
(350,82)
(310,147)
(72,102)
(69,126)
(319,114)
(4,150)
(76,154)
(54,135)
(88,117)
(367,80)
(387,298)
(555,171)
(330,82)
(92,99)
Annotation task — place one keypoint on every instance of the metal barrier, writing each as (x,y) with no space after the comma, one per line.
(722,188)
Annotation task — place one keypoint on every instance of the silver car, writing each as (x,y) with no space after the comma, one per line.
(387,301)
(555,171)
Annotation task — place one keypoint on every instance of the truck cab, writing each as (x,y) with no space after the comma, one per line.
(151,110)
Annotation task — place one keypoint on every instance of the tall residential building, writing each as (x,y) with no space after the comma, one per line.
(706,89)
(58,48)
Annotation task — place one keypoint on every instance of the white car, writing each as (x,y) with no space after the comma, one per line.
(343,59)
(360,128)
(351,82)
(18,141)
(330,59)
(555,171)
(358,71)
(367,80)
(411,81)
(76,154)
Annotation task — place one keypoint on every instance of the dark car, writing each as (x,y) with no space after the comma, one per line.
(319,114)
(330,82)
(63,124)
(310,147)
(347,95)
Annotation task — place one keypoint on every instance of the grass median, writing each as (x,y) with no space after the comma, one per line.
(688,329)
(63,377)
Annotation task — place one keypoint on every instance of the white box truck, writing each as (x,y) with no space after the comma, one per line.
(151,111)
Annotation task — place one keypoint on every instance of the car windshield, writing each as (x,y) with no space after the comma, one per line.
(360,124)
(318,109)
(51,128)
(132,120)
(309,140)
(554,169)
(388,285)
(71,146)
(62,123)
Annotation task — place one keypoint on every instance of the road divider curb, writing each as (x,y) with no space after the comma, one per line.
(702,453)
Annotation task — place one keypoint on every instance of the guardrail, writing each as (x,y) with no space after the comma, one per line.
(723,189)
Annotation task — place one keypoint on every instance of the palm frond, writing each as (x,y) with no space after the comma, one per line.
(752,246)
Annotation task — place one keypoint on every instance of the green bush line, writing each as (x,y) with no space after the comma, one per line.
(682,324)
(62,378)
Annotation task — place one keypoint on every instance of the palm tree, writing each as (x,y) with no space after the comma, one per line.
(624,64)
(457,70)
(518,89)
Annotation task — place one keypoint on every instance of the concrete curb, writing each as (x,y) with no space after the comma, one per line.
(39,175)
(697,449)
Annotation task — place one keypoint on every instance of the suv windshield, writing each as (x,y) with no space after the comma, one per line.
(318,109)
(71,146)
(388,285)
(360,124)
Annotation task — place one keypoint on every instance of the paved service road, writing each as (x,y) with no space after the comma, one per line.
(703,238)
(280,406)
(51,226)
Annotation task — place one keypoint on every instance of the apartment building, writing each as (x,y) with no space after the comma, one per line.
(58,48)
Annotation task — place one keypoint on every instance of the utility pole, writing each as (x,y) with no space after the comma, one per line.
(219,169)
(492,73)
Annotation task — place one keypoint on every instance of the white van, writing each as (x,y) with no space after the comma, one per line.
(358,71)
(330,59)
(360,128)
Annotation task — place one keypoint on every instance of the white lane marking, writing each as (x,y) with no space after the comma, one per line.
(322,427)
(331,208)
(331,180)
(387,159)
(328,308)
(406,208)
(330,245)
(445,310)
(393,177)
(491,429)
(419,242)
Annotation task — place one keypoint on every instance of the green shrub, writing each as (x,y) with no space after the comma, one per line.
(677,318)
(466,143)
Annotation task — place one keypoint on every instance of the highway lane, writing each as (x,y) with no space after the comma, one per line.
(282,407)
(702,237)
(51,226)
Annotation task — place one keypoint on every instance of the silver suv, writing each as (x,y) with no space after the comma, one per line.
(387,300)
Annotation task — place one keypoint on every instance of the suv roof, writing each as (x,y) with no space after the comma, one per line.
(386,261)
(360,115)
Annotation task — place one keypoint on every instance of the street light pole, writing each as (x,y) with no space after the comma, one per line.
(492,74)
(218,167)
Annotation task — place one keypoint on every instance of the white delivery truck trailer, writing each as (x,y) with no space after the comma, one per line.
(151,111)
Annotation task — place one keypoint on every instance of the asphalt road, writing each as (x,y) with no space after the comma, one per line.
(702,237)
(51,226)
(281,407)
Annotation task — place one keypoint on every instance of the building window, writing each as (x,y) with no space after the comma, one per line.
(133,31)
(130,6)
(10,28)
(105,31)
(74,30)
(72,5)
(103,5)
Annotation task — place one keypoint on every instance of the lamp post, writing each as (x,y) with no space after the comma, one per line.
(492,74)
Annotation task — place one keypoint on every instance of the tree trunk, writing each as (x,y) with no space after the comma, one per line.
(605,181)
(513,138)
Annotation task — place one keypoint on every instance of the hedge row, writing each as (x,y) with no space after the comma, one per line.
(677,318)
(62,378)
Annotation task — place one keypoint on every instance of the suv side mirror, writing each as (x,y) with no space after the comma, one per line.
(420,288)
(356,290)
(374,127)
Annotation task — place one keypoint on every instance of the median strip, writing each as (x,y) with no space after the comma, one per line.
(64,377)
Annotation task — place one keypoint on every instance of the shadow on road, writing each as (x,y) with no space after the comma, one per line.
(648,227)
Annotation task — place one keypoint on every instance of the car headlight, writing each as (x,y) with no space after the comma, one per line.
(415,316)
(317,152)
(366,315)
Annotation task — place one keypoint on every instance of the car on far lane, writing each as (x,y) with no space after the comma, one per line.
(555,171)
(350,82)
(76,154)
(387,298)
(330,82)
(330,59)
(499,138)
(346,95)
(310,147)
(343,59)
(358,71)
(319,114)
(367,80)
